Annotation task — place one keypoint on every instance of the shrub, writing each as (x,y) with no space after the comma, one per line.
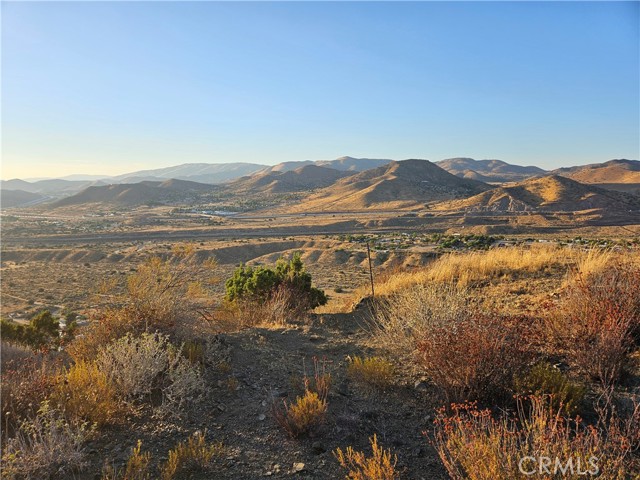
(597,321)
(42,332)
(402,318)
(303,415)
(45,446)
(24,386)
(84,392)
(138,366)
(476,357)
(381,465)
(474,445)
(373,372)
(544,379)
(137,467)
(261,283)
(160,296)
(194,453)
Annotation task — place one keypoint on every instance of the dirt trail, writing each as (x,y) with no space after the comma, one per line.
(266,366)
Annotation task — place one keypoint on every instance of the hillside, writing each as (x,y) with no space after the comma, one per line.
(397,185)
(307,177)
(143,193)
(621,175)
(489,170)
(16,198)
(550,193)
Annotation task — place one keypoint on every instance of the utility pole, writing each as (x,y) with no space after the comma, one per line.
(373,293)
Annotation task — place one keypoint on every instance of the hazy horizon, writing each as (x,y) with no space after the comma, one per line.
(107,88)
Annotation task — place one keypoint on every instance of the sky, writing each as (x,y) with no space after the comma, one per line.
(114,87)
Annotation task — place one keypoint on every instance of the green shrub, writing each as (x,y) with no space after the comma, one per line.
(545,379)
(41,332)
(261,283)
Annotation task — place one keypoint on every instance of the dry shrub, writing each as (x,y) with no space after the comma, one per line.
(597,321)
(402,319)
(476,357)
(370,372)
(83,392)
(137,467)
(25,384)
(138,366)
(472,444)
(162,295)
(302,416)
(545,379)
(45,446)
(282,307)
(381,465)
(195,453)
(308,411)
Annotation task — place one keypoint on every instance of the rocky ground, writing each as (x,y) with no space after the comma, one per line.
(251,370)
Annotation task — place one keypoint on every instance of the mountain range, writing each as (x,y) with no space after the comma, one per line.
(349,183)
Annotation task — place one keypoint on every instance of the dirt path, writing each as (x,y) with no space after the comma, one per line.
(260,366)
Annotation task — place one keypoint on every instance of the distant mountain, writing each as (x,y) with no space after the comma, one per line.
(196,172)
(343,164)
(48,187)
(307,177)
(550,193)
(143,193)
(17,198)
(621,175)
(490,170)
(396,185)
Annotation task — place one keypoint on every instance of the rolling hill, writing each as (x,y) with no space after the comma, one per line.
(16,198)
(194,172)
(308,177)
(343,164)
(621,175)
(551,193)
(397,185)
(143,193)
(489,170)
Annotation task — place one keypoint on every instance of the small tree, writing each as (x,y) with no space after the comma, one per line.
(41,332)
(262,283)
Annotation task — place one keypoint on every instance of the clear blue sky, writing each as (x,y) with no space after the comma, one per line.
(114,87)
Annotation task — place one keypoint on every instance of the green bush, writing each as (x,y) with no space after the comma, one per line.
(261,283)
(42,331)
(545,379)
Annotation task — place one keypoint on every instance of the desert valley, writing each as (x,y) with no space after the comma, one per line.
(399,249)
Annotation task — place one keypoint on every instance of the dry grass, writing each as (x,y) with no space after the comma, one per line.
(371,372)
(279,309)
(381,465)
(474,445)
